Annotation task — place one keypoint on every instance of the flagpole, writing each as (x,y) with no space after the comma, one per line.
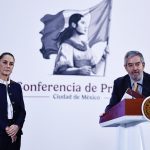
(105,58)
(106,51)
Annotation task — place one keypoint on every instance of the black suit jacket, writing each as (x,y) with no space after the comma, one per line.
(16,98)
(120,86)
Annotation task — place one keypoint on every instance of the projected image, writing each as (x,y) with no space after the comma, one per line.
(74,36)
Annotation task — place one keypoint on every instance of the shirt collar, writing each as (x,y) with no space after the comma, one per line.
(5,82)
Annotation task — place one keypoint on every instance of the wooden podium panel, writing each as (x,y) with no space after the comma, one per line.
(126,115)
(126,109)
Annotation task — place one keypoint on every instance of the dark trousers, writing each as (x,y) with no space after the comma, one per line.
(6,144)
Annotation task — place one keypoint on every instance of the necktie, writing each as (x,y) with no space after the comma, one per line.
(135,87)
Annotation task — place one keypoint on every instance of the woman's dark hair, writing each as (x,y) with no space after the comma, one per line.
(68,32)
(7,53)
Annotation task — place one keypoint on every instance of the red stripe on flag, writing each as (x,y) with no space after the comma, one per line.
(99,24)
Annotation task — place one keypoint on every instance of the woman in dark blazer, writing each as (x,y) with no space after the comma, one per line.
(12,110)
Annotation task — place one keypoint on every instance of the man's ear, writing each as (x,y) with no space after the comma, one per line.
(125,66)
(143,64)
(73,25)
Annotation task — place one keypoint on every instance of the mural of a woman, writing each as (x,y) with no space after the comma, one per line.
(74,56)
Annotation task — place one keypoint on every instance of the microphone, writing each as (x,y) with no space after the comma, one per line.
(130,94)
(145,89)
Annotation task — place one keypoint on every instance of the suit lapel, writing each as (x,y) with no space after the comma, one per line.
(128,83)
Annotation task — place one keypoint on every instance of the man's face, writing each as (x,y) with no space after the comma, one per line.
(135,68)
(6,65)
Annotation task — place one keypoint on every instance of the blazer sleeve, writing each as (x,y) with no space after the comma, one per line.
(22,112)
(117,93)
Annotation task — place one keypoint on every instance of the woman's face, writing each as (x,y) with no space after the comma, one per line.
(81,26)
(6,65)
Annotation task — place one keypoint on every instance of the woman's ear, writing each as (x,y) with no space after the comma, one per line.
(73,25)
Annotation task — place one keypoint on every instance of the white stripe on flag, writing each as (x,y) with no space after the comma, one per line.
(99,23)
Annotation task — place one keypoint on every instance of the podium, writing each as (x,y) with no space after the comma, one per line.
(127,111)
(126,115)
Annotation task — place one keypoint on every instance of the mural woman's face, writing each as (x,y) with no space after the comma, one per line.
(82,26)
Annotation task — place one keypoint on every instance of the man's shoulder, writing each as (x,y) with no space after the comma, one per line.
(147,75)
(146,78)
(122,78)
